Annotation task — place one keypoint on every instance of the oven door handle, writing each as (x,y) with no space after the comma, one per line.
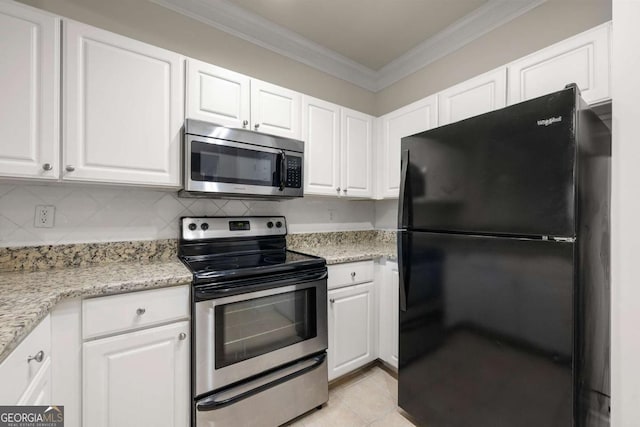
(228,397)
(203,293)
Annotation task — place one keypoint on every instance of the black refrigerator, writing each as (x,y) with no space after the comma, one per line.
(503,256)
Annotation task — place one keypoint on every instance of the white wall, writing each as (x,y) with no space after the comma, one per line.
(625,303)
(99,214)
(386,214)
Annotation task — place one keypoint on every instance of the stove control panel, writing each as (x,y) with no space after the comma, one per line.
(200,228)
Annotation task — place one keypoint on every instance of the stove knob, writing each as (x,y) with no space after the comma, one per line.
(270,224)
(278,224)
(192,226)
(204,226)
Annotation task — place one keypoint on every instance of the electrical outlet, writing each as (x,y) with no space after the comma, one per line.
(45,216)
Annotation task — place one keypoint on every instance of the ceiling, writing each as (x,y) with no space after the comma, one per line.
(371,43)
(370,32)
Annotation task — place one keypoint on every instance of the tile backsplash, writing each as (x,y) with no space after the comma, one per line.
(85,213)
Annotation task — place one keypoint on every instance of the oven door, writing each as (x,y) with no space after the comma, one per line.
(234,168)
(239,336)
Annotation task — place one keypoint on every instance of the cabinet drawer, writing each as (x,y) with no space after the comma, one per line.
(119,313)
(350,274)
(17,371)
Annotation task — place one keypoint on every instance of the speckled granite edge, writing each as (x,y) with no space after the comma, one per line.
(346,246)
(32,258)
(27,297)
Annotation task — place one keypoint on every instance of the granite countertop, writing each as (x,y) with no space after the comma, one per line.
(349,246)
(26,297)
(34,279)
(349,252)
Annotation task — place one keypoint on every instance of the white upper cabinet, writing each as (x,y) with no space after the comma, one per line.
(124,109)
(231,99)
(275,110)
(478,95)
(217,95)
(582,59)
(338,150)
(357,153)
(30,82)
(416,117)
(321,134)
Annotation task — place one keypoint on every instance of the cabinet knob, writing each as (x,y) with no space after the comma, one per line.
(182,336)
(338,189)
(353,274)
(47,166)
(332,300)
(39,357)
(141,311)
(345,191)
(69,168)
(256,126)
(245,123)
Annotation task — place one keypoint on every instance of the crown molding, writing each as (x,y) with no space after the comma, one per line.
(234,20)
(486,18)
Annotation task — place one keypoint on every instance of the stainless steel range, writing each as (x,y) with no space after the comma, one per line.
(259,322)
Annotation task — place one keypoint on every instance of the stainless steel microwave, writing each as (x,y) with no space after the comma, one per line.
(239,163)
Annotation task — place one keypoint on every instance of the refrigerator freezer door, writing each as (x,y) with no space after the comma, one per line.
(510,171)
(487,336)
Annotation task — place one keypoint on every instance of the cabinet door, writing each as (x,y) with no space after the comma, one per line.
(124,109)
(389,311)
(408,120)
(275,110)
(39,390)
(357,154)
(20,371)
(478,95)
(217,95)
(30,86)
(138,379)
(321,134)
(583,59)
(351,328)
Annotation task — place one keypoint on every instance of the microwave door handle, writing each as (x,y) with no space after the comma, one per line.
(283,170)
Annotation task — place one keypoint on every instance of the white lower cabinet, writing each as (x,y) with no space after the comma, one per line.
(139,378)
(389,314)
(352,311)
(25,375)
(39,390)
(136,373)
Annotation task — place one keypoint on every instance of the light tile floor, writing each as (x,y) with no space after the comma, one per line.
(368,398)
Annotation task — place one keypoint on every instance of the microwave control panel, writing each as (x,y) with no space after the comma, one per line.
(294,172)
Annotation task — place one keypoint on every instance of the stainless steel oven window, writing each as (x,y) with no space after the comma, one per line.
(247,329)
(207,377)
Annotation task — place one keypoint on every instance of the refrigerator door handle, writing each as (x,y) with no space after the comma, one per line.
(403,270)
(404,196)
